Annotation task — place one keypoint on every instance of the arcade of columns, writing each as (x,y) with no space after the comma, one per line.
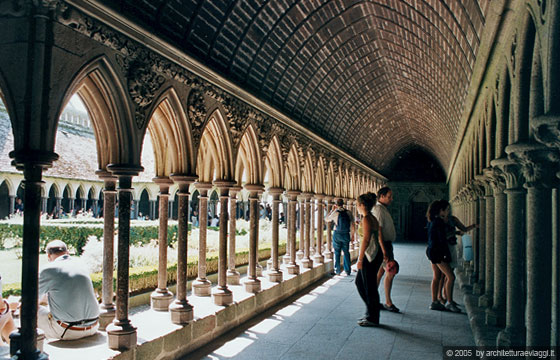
(505,178)
(203,136)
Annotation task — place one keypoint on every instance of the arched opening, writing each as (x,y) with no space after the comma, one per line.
(4,200)
(416,165)
(51,201)
(144,211)
(67,202)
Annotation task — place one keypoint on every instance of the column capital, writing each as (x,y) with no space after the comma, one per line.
(275,191)
(253,189)
(510,172)
(234,190)
(539,164)
(329,198)
(306,195)
(164,183)
(293,194)
(184,181)
(495,179)
(125,169)
(320,197)
(105,175)
(203,188)
(227,184)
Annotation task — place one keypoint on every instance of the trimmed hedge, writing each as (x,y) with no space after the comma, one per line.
(144,279)
(75,234)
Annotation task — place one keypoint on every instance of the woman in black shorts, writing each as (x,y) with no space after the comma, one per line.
(439,255)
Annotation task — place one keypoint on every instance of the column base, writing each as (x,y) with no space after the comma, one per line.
(511,337)
(478,288)
(299,255)
(121,336)
(106,316)
(160,300)
(233,277)
(259,270)
(286,259)
(252,285)
(222,297)
(293,269)
(15,345)
(202,287)
(306,263)
(318,259)
(485,301)
(275,275)
(181,312)
(494,317)
(328,255)
(269,264)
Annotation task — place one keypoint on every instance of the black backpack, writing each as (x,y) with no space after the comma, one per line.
(343,224)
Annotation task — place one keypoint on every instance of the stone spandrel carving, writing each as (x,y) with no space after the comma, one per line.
(237,114)
(197,112)
(143,83)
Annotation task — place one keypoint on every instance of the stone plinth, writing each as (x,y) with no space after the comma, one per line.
(275,276)
(306,263)
(252,286)
(222,297)
(181,312)
(106,316)
(121,336)
(202,287)
(160,300)
(233,277)
(293,269)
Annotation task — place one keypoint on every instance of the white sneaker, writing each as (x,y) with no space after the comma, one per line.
(452,307)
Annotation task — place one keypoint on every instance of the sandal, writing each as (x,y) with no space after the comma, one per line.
(391,308)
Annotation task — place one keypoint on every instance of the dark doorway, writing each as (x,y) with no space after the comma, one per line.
(4,200)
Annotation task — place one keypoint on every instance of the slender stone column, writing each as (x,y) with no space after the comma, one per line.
(486,299)
(152,213)
(12,199)
(27,335)
(306,261)
(252,283)
(71,204)
(222,295)
(478,287)
(107,308)
(555,336)
(121,334)
(286,257)
(58,204)
(293,267)
(202,286)
(312,226)
(514,333)
(259,267)
(329,251)
(539,173)
(44,204)
(302,210)
(319,258)
(496,315)
(274,274)
(180,309)
(170,210)
(161,298)
(233,275)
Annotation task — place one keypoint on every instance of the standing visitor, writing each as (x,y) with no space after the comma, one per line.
(387,235)
(344,231)
(369,260)
(439,254)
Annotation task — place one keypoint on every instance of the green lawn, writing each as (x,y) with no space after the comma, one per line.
(10,265)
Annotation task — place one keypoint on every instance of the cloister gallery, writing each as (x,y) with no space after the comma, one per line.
(305,101)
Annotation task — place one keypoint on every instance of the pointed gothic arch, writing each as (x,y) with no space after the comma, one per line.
(214,155)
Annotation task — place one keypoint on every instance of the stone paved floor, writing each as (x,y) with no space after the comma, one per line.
(321,324)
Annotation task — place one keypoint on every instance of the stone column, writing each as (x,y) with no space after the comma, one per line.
(486,299)
(58,204)
(253,284)
(474,208)
(319,258)
(302,210)
(306,261)
(539,173)
(233,275)
(479,286)
(274,274)
(28,336)
(121,334)
(287,255)
(95,207)
(293,267)
(312,226)
(514,333)
(161,298)
(329,251)
(170,210)
(495,316)
(555,336)
(152,213)
(180,309)
(201,286)
(71,204)
(222,295)
(107,308)
(44,204)
(12,199)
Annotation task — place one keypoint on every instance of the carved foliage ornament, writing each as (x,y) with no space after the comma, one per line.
(196,110)
(237,114)
(538,166)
